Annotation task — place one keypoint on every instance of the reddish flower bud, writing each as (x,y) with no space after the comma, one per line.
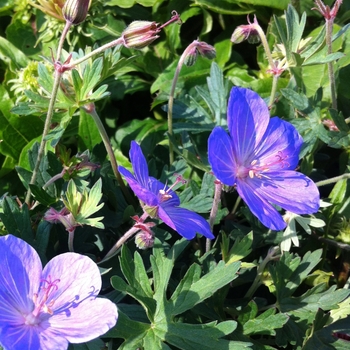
(200,47)
(246,32)
(144,239)
(139,34)
(75,11)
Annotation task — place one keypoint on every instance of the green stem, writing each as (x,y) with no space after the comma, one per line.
(214,211)
(257,281)
(333,180)
(329,31)
(103,48)
(123,239)
(265,45)
(273,89)
(90,109)
(56,84)
(70,241)
(54,178)
(235,207)
(338,245)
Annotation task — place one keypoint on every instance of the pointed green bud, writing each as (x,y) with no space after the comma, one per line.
(75,11)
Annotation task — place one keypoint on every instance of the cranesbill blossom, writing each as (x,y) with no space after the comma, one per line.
(161,201)
(48,308)
(259,157)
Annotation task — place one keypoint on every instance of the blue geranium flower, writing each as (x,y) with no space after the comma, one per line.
(159,200)
(49,308)
(259,157)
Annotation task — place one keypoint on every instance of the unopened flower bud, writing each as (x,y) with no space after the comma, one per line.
(75,11)
(206,50)
(330,125)
(200,47)
(246,32)
(139,34)
(144,239)
(191,57)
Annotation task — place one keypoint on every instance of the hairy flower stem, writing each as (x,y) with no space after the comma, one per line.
(90,109)
(271,62)
(329,15)
(188,49)
(70,241)
(331,77)
(127,235)
(332,180)
(214,211)
(103,48)
(265,45)
(273,89)
(56,84)
(257,281)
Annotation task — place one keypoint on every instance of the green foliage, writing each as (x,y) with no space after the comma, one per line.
(161,311)
(239,292)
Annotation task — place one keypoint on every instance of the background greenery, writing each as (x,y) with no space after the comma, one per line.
(243,293)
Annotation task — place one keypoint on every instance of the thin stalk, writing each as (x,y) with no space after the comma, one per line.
(56,84)
(127,235)
(103,48)
(257,281)
(55,178)
(333,180)
(338,245)
(329,31)
(90,109)
(265,45)
(235,207)
(70,241)
(214,211)
(273,89)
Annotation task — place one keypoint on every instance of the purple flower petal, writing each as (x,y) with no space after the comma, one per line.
(166,202)
(26,338)
(221,156)
(280,146)
(141,192)
(185,222)
(139,164)
(156,186)
(247,118)
(261,160)
(292,191)
(75,307)
(260,207)
(47,309)
(20,273)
